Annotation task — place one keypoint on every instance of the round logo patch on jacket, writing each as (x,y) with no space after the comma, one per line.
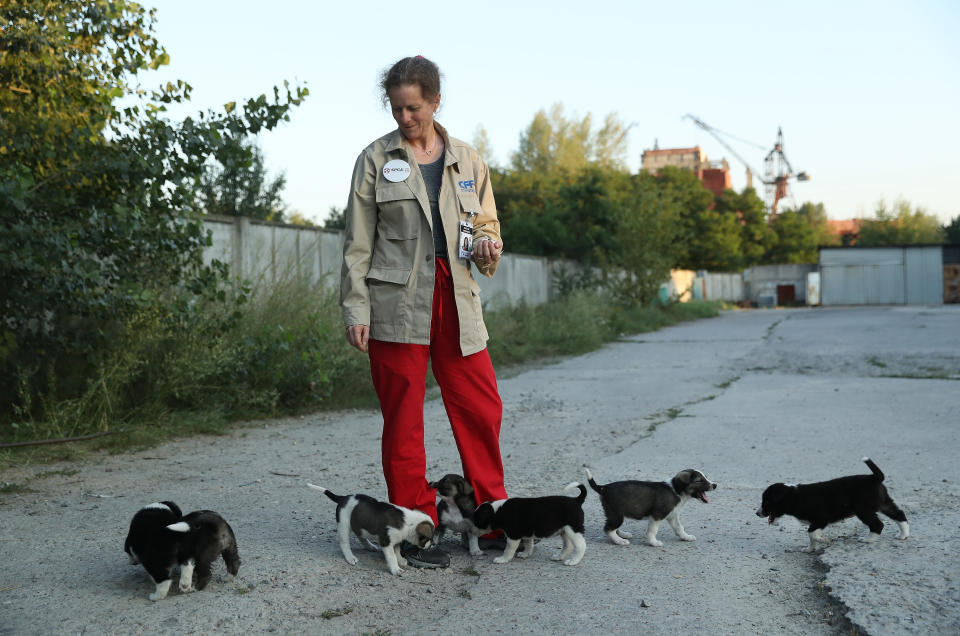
(396,170)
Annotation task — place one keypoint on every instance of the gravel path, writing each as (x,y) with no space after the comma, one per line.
(749,398)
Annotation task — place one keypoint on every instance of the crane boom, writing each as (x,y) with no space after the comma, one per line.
(699,122)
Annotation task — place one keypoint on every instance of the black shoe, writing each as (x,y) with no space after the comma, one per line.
(424,557)
(498,543)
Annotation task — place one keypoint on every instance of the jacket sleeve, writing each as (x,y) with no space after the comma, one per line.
(358,238)
(486,226)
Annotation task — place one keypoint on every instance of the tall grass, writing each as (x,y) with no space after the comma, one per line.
(184,366)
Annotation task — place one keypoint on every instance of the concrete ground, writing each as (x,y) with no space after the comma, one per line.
(750,398)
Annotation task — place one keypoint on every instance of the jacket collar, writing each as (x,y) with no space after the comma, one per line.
(396,141)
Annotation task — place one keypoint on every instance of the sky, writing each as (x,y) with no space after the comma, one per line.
(867,93)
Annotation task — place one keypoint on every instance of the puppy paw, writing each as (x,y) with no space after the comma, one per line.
(571,561)
(524,554)
(624,535)
(476,553)
(904,537)
(555,557)
(871,538)
(501,559)
(352,560)
(656,543)
(618,538)
(186,587)
(396,571)
(687,537)
(808,549)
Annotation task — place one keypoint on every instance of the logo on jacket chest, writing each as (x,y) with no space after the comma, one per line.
(467,186)
(396,170)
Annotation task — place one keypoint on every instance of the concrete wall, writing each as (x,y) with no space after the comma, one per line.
(264,253)
(762,281)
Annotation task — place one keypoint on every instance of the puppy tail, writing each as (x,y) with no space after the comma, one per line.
(335,498)
(583,490)
(180,526)
(873,467)
(592,483)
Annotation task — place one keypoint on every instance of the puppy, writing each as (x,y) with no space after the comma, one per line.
(826,502)
(455,511)
(526,518)
(384,523)
(160,538)
(656,500)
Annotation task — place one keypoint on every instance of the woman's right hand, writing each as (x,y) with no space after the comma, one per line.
(358,336)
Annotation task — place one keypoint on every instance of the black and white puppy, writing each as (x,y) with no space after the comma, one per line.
(160,538)
(455,511)
(527,518)
(657,500)
(383,523)
(825,502)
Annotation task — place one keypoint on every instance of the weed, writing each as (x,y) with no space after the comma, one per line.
(470,571)
(333,613)
(877,362)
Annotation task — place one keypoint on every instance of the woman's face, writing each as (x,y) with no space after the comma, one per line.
(413,113)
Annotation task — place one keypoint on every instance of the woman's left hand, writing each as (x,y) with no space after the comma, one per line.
(486,252)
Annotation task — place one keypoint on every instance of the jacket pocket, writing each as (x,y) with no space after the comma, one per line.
(469,202)
(388,293)
(399,211)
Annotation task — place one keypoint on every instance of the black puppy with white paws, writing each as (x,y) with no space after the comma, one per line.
(822,503)
(160,538)
(526,518)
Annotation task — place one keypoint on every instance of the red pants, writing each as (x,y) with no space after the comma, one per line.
(469,389)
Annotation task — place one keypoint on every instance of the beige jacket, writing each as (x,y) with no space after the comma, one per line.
(388,268)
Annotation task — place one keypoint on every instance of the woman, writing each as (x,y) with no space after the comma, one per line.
(418,198)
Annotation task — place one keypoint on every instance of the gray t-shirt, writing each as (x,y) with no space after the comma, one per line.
(432,177)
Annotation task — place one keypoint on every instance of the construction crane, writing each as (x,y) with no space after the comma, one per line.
(777,170)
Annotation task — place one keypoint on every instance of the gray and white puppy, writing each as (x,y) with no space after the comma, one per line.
(455,511)
(379,522)
(656,500)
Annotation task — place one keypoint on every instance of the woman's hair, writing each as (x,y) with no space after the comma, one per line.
(412,70)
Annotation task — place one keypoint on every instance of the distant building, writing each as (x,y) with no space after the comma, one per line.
(847,230)
(715,175)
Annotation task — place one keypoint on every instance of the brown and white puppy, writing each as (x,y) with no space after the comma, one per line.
(527,518)
(825,502)
(657,500)
(380,522)
(161,538)
(455,511)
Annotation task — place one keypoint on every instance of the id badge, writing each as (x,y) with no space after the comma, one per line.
(465,240)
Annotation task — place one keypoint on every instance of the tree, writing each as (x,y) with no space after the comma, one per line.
(647,226)
(951,231)
(235,182)
(751,215)
(797,234)
(552,142)
(706,239)
(900,225)
(97,189)
(336,218)
(481,143)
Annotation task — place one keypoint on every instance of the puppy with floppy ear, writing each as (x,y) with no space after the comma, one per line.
(822,503)
(160,538)
(526,518)
(383,523)
(656,500)
(455,511)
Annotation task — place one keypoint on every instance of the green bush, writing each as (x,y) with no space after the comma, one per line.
(184,365)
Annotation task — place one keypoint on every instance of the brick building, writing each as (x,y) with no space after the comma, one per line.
(715,175)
